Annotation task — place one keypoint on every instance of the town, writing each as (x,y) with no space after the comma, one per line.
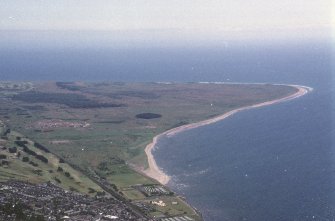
(25,201)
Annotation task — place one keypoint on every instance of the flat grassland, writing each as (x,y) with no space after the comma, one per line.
(103,128)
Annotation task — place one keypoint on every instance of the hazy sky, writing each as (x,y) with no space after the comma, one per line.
(171,18)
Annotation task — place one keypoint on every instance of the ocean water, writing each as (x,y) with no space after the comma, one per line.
(271,163)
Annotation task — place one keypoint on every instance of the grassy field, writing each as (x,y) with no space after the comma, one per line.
(26,167)
(178,209)
(103,128)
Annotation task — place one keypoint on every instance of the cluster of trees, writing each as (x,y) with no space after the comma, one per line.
(57,180)
(67,174)
(41,158)
(12,150)
(21,143)
(91,190)
(69,99)
(41,147)
(38,172)
(33,163)
(31,152)
(136,94)
(148,116)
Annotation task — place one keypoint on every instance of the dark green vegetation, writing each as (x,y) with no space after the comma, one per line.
(148,116)
(87,130)
(70,100)
(135,94)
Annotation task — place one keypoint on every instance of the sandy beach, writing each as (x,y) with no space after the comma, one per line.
(156,173)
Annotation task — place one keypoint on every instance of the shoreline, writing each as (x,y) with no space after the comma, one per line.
(154,172)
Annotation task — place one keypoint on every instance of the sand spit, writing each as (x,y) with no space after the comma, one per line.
(156,173)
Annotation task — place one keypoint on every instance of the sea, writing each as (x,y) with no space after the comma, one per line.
(274,163)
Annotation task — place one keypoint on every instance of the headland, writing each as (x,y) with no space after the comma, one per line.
(157,173)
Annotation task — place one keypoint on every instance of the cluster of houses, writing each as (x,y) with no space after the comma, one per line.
(153,190)
(53,203)
(47,124)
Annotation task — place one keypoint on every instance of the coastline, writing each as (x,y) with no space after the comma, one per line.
(156,173)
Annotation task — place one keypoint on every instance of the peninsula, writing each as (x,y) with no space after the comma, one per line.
(97,138)
(156,173)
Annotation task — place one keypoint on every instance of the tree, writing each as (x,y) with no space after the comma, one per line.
(67,174)
(12,149)
(59,169)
